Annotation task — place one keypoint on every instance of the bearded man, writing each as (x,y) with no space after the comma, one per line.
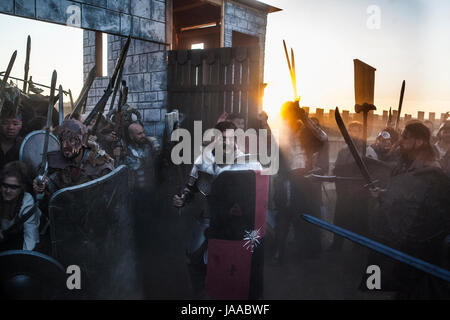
(412,216)
(76,162)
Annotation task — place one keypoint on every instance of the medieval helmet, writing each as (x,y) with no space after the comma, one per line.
(444,126)
(129,115)
(71,128)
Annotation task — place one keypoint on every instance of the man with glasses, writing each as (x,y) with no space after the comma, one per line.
(385,146)
(19,217)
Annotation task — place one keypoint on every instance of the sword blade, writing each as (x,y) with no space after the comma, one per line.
(381,248)
(294,75)
(5,79)
(100,106)
(61,106)
(389,121)
(400,103)
(49,119)
(359,161)
(71,100)
(84,92)
(291,73)
(27,64)
(8,71)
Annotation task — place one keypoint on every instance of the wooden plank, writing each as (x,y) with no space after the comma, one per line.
(190,6)
(169,23)
(245,89)
(254,94)
(237,91)
(221,82)
(204,83)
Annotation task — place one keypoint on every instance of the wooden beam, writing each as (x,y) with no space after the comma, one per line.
(169,24)
(99,53)
(218,3)
(189,6)
(200,26)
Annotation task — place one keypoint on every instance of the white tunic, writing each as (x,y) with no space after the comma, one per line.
(30,227)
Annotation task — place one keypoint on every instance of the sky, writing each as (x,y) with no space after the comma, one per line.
(403,39)
(53,47)
(412,43)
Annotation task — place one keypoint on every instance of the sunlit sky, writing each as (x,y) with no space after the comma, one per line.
(412,43)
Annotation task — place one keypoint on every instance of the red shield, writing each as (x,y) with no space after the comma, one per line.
(228,270)
(238,203)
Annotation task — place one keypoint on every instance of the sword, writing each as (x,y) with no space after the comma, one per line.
(291,69)
(5,79)
(359,161)
(71,100)
(116,88)
(389,120)
(381,248)
(118,125)
(400,103)
(100,106)
(27,64)
(83,93)
(319,178)
(61,106)
(43,169)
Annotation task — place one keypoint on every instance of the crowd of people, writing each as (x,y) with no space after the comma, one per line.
(81,158)
(408,209)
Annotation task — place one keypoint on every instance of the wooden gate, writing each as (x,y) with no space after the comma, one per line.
(202,84)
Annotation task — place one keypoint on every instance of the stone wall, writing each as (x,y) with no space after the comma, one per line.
(145,72)
(144,19)
(248,21)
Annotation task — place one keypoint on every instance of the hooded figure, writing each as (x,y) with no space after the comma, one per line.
(443,145)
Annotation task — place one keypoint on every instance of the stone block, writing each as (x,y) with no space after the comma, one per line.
(119,5)
(100,19)
(152,115)
(159,81)
(25,8)
(7,6)
(157,61)
(158,11)
(141,8)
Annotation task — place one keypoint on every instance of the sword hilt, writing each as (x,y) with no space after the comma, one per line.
(371,184)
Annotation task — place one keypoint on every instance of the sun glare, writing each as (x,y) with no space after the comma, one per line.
(276,93)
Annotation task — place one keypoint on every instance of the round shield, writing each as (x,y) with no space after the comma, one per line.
(30,275)
(32,147)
